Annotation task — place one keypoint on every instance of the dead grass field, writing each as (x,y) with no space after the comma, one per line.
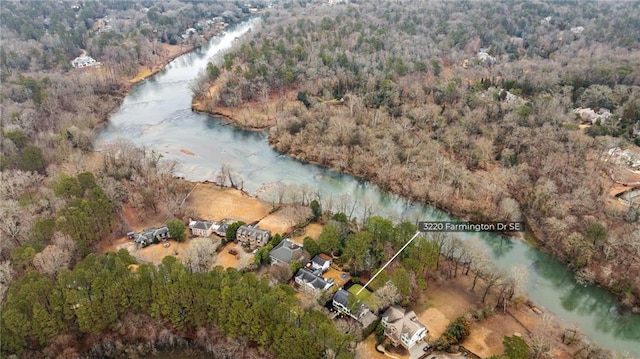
(151,254)
(442,303)
(313,230)
(283,220)
(211,202)
(367,349)
(156,252)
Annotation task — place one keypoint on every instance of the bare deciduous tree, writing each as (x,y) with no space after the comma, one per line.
(280,273)
(51,260)
(387,294)
(200,255)
(6,277)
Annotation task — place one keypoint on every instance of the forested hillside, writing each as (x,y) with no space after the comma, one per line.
(112,302)
(465,105)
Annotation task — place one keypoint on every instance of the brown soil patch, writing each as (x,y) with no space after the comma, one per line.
(337,277)
(214,203)
(228,260)
(367,349)
(156,252)
(113,245)
(313,230)
(187,152)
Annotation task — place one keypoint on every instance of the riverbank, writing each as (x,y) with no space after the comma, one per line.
(169,53)
(416,191)
(237,116)
(251,115)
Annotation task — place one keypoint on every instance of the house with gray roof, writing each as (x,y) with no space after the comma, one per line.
(201,228)
(252,237)
(321,262)
(344,303)
(287,251)
(151,235)
(309,281)
(402,327)
(221,229)
(351,307)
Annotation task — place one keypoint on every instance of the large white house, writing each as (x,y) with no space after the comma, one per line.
(403,328)
(202,228)
(84,61)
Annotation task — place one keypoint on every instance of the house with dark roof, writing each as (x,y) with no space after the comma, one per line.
(351,307)
(309,281)
(151,235)
(201,228)
(252,237)
(287,251)
(321,262)
(402,327)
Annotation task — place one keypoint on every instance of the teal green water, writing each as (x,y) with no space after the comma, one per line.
(157,114)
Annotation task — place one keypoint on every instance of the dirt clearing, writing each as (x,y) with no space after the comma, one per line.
(229,260)
(313,230)
(213,203)
(284,219)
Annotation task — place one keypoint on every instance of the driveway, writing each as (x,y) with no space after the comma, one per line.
(417,353)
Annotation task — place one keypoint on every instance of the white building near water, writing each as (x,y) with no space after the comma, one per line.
(84,61)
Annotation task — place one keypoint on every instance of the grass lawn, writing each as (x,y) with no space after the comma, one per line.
(364,296)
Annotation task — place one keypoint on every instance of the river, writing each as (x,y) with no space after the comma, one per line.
(156,114)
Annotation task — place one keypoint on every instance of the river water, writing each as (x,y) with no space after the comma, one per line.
(156,114)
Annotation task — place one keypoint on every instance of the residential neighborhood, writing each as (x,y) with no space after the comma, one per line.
(317,275)
(399,328)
